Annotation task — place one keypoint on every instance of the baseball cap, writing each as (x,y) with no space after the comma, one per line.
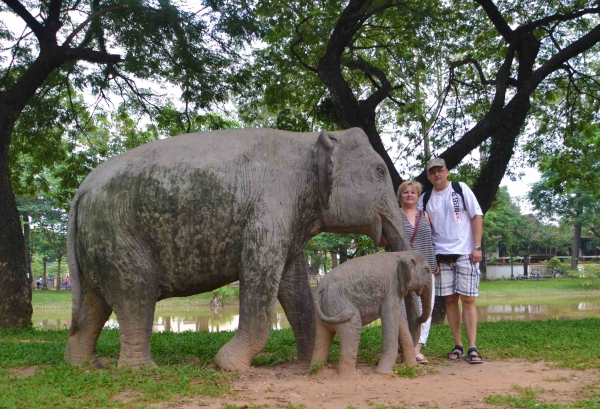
(436,162)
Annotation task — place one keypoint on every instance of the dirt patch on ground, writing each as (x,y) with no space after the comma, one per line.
(441,385)
(23,372)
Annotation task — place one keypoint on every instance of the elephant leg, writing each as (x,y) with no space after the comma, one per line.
(349,334)
(390,321)
(405,341)
(323,339)
(259,283)
(87,321)
(135,325)
(296,299)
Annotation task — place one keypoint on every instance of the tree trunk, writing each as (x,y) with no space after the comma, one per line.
(526,265)
(57,278)
(15,290)
(575,245)
(313,269)
(334,261)
(26,229)
(45,283)
(343,254)
(512,265)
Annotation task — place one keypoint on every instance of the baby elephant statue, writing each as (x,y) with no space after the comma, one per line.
(362,290)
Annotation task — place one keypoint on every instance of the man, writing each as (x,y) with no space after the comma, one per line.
(457,225)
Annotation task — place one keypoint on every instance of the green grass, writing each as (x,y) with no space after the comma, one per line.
(554,287)
(62,299)
(557,287)
(182,360)
(528,398)
(51,299)
(33,373)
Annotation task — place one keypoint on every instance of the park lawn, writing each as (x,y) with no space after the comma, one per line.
(33,373)
(525,289)
(552,287)
(32,370)
(52,299)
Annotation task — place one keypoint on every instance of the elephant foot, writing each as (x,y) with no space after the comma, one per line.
(231,362)
(348,373)
(136,363)
(410,360)
(303,365)
(384,370)
(76,357)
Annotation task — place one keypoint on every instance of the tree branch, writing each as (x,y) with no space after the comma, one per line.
(384,88)
(81,26)
(89,55)
(496,17)
(385,6)
(21,11)
(557,17)
(559,59)
(298,41)
(54,23)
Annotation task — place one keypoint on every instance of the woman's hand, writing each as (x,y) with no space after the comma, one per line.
(437,270)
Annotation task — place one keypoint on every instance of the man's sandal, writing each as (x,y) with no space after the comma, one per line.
(421,359)
(456,354)
(474,357)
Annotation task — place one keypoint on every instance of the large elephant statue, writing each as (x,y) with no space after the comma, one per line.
(191,213)
(362,290)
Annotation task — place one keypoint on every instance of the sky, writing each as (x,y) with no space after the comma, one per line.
(519,188)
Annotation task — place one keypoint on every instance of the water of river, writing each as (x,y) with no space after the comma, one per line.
(202,318)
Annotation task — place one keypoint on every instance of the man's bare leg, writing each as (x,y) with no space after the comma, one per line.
(469,317)
(453,313)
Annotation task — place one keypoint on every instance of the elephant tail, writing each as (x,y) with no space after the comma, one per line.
(74,271)
(344,315)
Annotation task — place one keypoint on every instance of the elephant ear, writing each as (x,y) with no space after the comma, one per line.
(326,145)
(406,270)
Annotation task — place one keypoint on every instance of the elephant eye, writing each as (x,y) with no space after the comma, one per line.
(380,171)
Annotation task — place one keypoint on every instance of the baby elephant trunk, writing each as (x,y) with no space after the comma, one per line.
(425,303)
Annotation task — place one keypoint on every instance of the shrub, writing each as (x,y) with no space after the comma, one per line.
(224,293)
(220,295)
(555,267)
(591,270)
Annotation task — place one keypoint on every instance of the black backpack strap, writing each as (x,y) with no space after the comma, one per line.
(455,186)
(426,197)
(458,189)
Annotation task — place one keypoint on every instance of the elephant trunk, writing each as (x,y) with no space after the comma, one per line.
(425,304)
(393,230)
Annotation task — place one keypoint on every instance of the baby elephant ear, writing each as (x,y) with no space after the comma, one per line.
(326,145)
(406,272)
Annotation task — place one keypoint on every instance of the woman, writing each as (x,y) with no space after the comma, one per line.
(408,195)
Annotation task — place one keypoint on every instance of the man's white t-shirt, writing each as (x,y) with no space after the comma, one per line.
(451,231)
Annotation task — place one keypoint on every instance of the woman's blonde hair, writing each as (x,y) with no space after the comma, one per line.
(418,186)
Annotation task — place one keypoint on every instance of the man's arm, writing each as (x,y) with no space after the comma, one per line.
(477,227)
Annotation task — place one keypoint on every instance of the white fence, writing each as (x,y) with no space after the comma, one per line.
(495,272)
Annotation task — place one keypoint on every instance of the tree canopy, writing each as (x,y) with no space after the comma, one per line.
(55,49)
(467,77)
